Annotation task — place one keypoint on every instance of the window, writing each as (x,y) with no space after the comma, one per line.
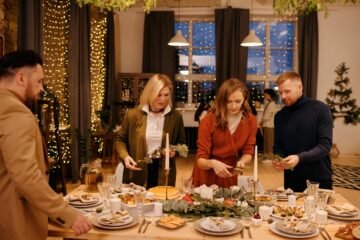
(277,55)
(197,63)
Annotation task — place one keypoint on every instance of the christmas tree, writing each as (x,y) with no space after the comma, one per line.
(339,101)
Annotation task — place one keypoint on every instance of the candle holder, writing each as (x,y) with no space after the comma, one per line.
(254,184)
(166,183)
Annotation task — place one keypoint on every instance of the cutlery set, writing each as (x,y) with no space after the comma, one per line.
(145,223)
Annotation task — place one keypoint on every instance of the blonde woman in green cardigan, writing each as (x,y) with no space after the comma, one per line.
(143,133)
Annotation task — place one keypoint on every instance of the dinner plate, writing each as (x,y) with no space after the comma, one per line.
(95,222)
(347,218)
(173,227)
(237,229)
(87,205)
(342,214)
(209,225)
(280,226)
(273,228)
(103,220)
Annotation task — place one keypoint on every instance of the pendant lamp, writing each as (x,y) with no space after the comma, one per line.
(178,40)
(251,40)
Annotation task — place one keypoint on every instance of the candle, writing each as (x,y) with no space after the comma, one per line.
(167,152)
(256,164)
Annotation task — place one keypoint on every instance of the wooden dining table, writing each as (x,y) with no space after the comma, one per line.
(188,231)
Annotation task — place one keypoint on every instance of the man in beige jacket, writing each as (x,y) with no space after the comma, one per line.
(26,200)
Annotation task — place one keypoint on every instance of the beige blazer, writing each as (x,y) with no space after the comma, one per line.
(26,200)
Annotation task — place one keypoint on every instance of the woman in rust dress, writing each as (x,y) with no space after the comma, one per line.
(226,137)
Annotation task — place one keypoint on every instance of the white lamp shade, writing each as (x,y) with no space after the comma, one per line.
(251,40)
(178,40)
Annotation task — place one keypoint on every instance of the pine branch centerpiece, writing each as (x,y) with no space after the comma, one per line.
(228,202)
(339,100)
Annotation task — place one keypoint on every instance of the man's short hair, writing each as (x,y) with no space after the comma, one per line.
(18,59)
(288,75)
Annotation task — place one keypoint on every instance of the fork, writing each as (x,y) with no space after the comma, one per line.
(141,225)
(322,229)
(247,226)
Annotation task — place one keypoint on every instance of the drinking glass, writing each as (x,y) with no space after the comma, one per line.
(312,189)
(322,200)
(186,184)
(111,180)
(309,206)
(139,197)
(104,192)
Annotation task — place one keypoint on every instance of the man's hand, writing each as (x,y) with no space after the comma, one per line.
(81,225)
(172,152)
(286,163)
(131,164)
(221,169)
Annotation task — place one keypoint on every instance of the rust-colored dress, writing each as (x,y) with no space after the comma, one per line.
(215,143)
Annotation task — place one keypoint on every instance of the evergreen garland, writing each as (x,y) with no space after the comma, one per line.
(339,101)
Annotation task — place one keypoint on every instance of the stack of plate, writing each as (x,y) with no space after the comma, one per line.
(279,228)
(344,215)
(111,222)
(84,203)
(227,227)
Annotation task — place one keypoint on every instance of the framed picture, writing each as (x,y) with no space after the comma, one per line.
(2,45)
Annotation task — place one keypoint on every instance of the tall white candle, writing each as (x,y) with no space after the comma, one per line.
(167,152)
(256,164)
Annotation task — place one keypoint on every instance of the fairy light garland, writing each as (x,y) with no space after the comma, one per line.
(97,66)
(56,32)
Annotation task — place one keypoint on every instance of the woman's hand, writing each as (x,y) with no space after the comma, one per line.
(221,169)
(131,164)
(171,152)
(240,165)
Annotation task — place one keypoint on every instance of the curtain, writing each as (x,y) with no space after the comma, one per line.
(79,84)
(29,29)
(110,66)
(158,56)
(231,27)
(308,46)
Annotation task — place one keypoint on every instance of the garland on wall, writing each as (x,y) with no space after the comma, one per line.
(97,65)
(116,5)
(56,33)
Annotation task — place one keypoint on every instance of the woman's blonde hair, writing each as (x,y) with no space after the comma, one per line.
(226,89)
(153,88)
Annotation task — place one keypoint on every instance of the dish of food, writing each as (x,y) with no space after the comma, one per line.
(118,218)
(238,227)
(128,198)
(274,229)
(217,224)
(160,192)
(346,232)
(293,225)
(171,222)
(285,211)
(345,210)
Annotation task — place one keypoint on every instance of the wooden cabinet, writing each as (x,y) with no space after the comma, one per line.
(128,88)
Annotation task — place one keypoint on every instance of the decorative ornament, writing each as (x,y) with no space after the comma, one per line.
(117,5)
(303,7)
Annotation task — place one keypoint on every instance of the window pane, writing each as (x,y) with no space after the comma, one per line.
(282,34)
(203,91)
(204,61)
(256,90)
(260,30)
(203,34)
(183,61)
(256,61)
(281,61)
(273,85)
(181,91)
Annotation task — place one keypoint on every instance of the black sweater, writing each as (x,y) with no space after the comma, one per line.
(305,129)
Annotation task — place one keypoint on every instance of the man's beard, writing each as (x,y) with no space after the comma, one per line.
(30,99)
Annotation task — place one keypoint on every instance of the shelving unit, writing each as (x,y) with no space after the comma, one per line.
(128,88)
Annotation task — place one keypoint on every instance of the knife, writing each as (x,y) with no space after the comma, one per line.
(141,225)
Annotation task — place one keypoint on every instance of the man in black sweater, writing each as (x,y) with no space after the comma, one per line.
(303,136)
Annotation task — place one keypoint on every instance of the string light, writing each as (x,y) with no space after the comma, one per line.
(56,32)
(97,66)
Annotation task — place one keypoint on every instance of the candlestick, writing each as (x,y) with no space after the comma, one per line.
(167,150)
(256,164)
(166,183)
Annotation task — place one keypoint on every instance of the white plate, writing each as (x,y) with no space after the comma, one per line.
(347,218)
(125,220)
(280,226)
(98,225)
(88,205)
(275,230)
(210,225)
(239,227)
